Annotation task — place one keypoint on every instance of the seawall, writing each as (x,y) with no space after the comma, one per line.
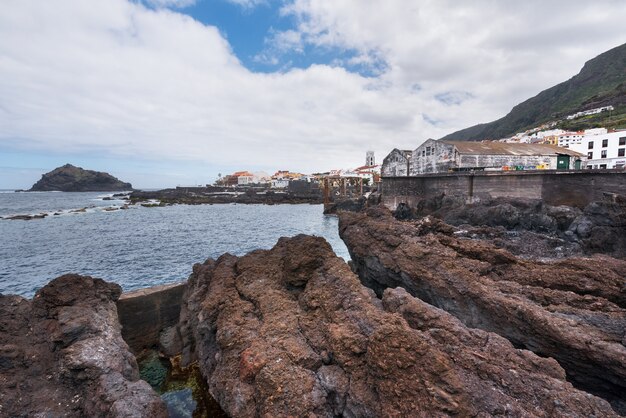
(144,313)
(573,187)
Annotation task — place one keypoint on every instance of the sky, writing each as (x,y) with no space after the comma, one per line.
(176,92)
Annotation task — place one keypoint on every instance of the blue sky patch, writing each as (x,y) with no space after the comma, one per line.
(259,37)
(451,98)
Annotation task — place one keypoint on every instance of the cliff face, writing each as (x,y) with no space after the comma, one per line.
(69,178)
(573,310)
(292,332)
(62,354)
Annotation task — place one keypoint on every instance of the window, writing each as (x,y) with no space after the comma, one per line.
(590,145)
(590,155)
(427,150)
(603,154)
(603,166)
(622,140)
(605,143)
(620,152)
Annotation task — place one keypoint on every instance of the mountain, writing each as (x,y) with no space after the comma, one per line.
(69,178)
(601,82)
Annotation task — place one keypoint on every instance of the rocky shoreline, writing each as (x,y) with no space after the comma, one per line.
(224,195)
(186,196)
(429,319)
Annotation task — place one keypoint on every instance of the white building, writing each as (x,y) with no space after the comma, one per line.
(566,139)
(590,112)
(280,183)
(603,150)
(245,180)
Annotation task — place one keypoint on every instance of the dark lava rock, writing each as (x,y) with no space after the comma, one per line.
(62,354)
(26,217)
(598,228)
(69,178)
(353,205)
(572,310)
(291,332)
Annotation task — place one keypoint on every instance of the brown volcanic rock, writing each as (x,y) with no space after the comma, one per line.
(62,354)
(292,332)
(571,310)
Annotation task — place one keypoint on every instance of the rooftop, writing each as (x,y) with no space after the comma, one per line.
(507,148)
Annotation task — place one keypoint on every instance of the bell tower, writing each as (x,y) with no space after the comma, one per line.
(369,158)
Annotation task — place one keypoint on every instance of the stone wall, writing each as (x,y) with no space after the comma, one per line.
(433,157)
(144,313)
(396,164)
(573,188)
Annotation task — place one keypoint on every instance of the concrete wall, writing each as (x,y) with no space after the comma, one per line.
(144,313)
(573,188)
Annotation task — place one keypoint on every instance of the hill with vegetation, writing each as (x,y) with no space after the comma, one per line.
(601,82)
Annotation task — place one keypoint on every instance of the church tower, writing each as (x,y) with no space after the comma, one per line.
(369,158)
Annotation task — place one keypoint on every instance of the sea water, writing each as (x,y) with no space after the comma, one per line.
(141,246)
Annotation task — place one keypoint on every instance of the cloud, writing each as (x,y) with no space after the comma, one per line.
(247,4)
(175,4)
(501,52)
(127,81)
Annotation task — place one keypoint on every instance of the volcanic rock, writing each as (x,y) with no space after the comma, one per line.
(291,332)
(598,228)
(572,310)
(62,354)
(69,178)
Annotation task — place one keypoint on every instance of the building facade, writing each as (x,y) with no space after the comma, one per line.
(435,156)
(603,150)
(397,163)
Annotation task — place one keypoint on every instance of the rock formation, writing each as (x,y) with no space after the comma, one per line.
(62,354)
(291,332)
(222,195)
(572,310)
(69,178)
(554,231)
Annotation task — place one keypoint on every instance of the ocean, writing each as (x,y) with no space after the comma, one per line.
(141,246)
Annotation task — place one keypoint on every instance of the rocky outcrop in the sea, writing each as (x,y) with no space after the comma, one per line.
(292,332)
(573,310)
(221,195)
(551,230)
(69,178)
(62,354)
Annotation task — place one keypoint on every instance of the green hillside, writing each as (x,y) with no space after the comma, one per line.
(601,82)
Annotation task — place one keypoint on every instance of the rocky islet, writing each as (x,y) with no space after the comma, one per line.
(69,178)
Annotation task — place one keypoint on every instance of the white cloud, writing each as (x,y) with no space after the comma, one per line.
(498,52)
(124,80)
(247,4)
(176,4)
